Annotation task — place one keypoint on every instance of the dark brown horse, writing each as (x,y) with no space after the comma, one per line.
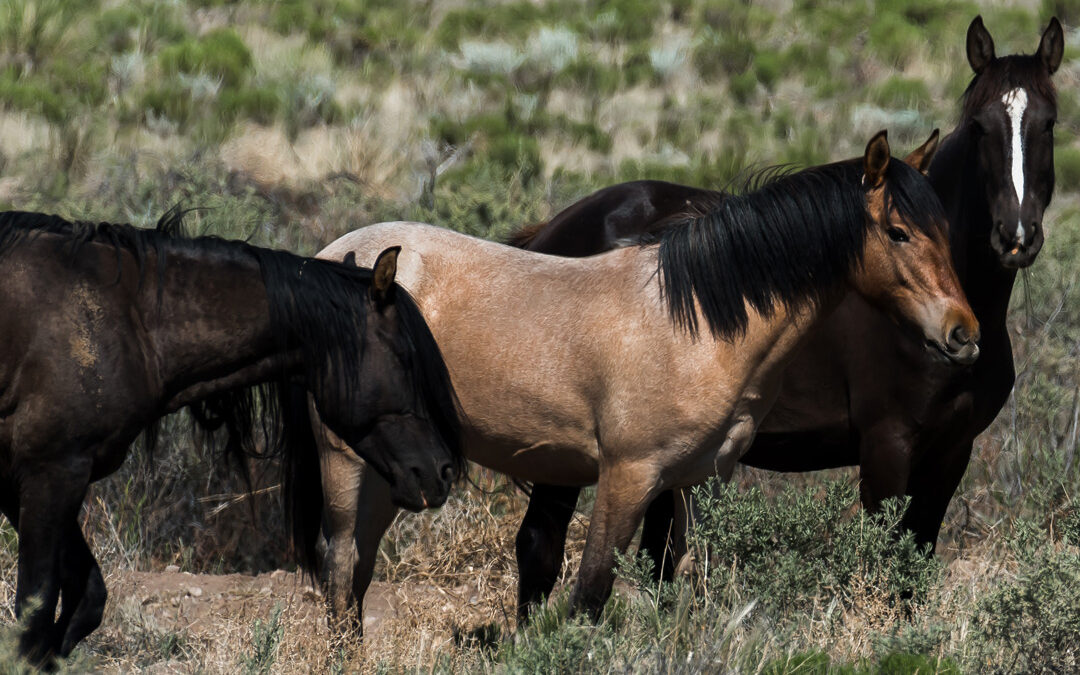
(859,393)
(108,327)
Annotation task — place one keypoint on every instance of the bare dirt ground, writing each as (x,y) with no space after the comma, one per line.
(177,622)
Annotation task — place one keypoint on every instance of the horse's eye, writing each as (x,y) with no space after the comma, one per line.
(897,235)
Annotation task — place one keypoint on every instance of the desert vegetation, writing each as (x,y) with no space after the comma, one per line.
(289,123)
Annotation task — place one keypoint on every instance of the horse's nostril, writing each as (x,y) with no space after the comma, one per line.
(959,337)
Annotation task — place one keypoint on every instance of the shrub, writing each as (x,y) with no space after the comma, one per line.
(1067,167)
(1029,623)
(894,40)
(1067,11)
(802,544)
(488,197)
(33,96)
(117,27)
(902,92)
(170,101)
(220,53)
(260,104)
(720,53)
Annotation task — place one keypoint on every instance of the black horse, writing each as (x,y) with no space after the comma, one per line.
(109,327)
(858,393)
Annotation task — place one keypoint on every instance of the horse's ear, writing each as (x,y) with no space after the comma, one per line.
(980,46)
(876,160)
(382,284)
(1052,45)
(350,259)
(921,157)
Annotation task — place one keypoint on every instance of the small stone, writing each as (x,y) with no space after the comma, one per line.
(172,569)
(195,591)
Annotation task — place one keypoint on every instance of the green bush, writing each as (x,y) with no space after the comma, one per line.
(895,41)
(1067,168)
(260,104)
(719,53)
(170,101)
(489,196)
(902,92)
(1068,11)
(220,53)
(116,27)
(790,550)
(32,96)
(1029,623)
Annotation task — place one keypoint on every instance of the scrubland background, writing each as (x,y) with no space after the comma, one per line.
(291,122)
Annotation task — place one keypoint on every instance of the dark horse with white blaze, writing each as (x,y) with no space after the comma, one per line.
(859,392)
(109,327)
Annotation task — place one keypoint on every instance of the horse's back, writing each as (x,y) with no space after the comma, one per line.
(614,216)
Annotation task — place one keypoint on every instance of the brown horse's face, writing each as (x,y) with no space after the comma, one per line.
(909,273)
(1011,118)
(389,423)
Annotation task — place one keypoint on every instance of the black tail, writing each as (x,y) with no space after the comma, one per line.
(301,478)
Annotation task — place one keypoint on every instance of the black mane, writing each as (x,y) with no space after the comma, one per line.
(788,243)
(319,305)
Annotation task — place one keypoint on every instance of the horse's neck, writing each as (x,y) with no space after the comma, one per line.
(210,325)
(986,283)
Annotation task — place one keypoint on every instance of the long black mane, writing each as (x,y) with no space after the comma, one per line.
(789,243)
(318,306)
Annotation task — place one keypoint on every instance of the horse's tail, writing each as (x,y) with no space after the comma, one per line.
(301,478)
(525,235)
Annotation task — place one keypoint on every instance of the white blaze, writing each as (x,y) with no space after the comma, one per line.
(1015,104)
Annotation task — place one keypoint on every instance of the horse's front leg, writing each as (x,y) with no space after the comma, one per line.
(931,487)
(375,513)
(49,499)
(885,454)
(341,475)
(622,495)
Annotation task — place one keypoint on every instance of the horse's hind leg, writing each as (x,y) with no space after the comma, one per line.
(622,495)
(657,534)
(541,542)
(82,591)
(49,498)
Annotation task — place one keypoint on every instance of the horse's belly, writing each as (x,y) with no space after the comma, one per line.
(539,462)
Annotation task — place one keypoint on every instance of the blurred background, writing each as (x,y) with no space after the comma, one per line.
(291,122)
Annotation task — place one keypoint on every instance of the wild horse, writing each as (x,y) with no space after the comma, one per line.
(109,327)
(649,367)
(858,392)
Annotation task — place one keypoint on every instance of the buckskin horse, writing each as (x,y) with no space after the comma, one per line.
(109,327)
(859,393)
(648,367)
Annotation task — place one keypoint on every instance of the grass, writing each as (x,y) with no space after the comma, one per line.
(294,122)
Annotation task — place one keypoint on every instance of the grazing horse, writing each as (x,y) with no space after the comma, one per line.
(649,367)
(109,327)
(859,393)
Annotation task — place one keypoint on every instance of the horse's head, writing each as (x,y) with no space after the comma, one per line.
(403,417)
(1010,110)
(907,267)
